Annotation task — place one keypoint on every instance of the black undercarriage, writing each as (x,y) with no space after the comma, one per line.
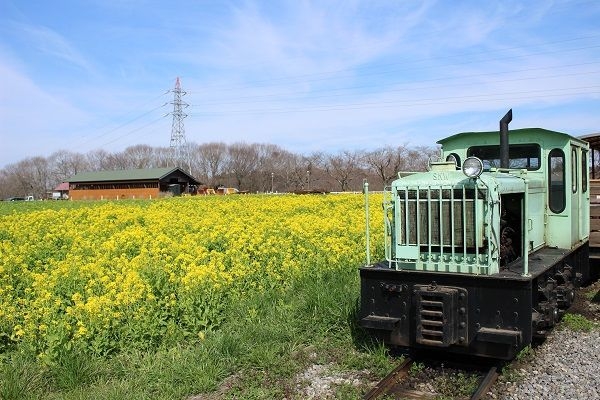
(492,316)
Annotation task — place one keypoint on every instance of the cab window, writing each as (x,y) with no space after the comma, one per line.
(521,156)
(584,171)
(556,181)
(574,168)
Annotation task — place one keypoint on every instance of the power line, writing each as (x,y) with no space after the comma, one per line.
(405,86)
(415,102)
(133,131)
(87,140)
(327,75)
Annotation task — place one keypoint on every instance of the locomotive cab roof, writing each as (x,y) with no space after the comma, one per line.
(527,147)
(524,135)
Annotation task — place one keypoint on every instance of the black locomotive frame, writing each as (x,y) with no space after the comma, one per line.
(491,316)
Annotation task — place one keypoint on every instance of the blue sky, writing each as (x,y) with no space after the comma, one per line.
(306,75)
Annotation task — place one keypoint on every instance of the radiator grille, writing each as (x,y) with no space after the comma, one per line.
(438,217)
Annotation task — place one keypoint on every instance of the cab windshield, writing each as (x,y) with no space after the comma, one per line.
(521,156)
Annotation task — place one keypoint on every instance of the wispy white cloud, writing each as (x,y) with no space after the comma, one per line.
(50,42)
(307,37)
(32,121)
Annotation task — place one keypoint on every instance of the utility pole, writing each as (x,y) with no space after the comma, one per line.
(180,152)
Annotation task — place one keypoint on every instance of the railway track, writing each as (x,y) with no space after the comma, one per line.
(392,386)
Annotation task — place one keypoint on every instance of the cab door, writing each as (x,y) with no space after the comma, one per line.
(575,195)
(584,198)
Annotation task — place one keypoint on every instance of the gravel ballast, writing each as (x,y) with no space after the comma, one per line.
(565,366)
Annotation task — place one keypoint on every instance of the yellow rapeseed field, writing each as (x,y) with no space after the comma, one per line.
(144,273)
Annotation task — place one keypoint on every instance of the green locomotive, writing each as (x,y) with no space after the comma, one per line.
(483,251)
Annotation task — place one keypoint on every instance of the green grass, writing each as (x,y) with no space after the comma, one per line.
(416,368)
(593,296)
(265,341)
(525,354)
(458,384)
(577,322)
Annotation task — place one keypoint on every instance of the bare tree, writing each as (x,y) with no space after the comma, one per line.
(343,166)
(243,159)
(118,161)
(386,162)
(6,189)
(317,176)
(162,155)
(40,177)
(212,158)
(14,182)
(98,160)
(65,164)
(417,159)
(270,164)
(278,164)
(194,159)
(140,156)
(29,177)
(295,172)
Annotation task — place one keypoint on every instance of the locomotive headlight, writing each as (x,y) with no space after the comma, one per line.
(472,167)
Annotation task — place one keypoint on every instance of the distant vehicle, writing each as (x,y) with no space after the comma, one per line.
(219,191)
(59,196)
(227,190)
(27,198)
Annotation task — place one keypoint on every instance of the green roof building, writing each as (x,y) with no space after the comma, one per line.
(148,183)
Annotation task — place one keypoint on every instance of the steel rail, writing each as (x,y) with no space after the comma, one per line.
(387,386)
(390,380)
(486,384)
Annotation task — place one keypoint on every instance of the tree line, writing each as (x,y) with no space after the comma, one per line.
(251,167)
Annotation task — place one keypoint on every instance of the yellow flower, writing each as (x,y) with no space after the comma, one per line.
(106,267)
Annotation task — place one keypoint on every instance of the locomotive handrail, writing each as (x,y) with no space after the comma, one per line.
(388,233)
(526,228)
(368,239)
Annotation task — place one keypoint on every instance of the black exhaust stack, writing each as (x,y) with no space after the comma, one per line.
(504,158)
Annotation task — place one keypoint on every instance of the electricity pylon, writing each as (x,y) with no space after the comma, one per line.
(180,151)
